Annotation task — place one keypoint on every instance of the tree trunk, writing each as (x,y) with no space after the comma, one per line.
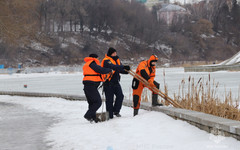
(71,25)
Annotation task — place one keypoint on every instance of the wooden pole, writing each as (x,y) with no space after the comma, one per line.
(154,89)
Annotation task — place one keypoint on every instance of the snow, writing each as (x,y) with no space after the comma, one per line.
(101,40)
(148,130)
(120,42)
(204,36)
(38,46)
(73,41)
(64,45)
(233,60)
(70,40)
(133,39)
(162,48)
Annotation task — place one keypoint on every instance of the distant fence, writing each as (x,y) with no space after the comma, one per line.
(9,71)
(42,69)
(1,66)
(212,68)
(53,69)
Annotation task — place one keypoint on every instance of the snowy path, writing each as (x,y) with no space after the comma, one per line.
(148,131)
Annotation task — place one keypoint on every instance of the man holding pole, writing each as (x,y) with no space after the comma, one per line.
(145,69)
(112,86)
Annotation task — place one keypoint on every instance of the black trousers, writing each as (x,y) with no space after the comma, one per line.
(110,90)
(93,98)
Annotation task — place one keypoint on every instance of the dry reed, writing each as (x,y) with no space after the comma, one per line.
(202,96)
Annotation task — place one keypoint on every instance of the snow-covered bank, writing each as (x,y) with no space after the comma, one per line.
(149,130)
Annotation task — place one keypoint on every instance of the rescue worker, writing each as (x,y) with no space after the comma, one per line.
(112,86)
(92,78)
(147,70)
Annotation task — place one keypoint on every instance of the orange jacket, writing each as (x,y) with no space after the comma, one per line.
(89,73)
(109,76)
(146,65)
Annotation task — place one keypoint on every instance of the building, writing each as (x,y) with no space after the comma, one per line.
(142,1)
(169,12)
(151,3)
(185,1)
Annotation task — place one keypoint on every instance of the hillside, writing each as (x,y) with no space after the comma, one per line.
(64,33)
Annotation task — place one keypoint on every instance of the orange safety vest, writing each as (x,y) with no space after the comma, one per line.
(145,65)
(109,76)
(89,73)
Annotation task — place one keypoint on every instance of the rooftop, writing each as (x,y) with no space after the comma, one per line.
(172,7)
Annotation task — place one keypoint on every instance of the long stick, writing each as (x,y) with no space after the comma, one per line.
(154,89)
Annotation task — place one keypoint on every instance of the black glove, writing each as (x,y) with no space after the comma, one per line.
(126,68)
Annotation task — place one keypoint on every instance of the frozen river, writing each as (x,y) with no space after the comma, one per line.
(72,83)
(27,123)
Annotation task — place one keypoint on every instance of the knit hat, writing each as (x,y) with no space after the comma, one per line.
(93,55)
(110,51)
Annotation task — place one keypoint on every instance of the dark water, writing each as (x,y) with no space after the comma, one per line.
(21,128)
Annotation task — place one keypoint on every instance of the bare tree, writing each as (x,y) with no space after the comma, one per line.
(79,12)
(18,20)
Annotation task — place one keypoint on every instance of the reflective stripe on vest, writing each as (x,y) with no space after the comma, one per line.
(109,76)
(90,74)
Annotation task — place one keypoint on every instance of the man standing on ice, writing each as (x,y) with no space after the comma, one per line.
(147,70)
(112,86)
(92,78)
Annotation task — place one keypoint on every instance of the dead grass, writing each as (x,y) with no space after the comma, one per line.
(202,96)
(146,96)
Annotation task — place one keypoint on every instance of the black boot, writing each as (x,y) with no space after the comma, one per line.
(88,119)
(110,115)
(155,100)
(117,114)
(155,96)
(96,120)
(135,112)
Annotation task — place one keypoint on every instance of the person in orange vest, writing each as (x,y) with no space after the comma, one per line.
(147,70)
(92,78)
(112,86)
